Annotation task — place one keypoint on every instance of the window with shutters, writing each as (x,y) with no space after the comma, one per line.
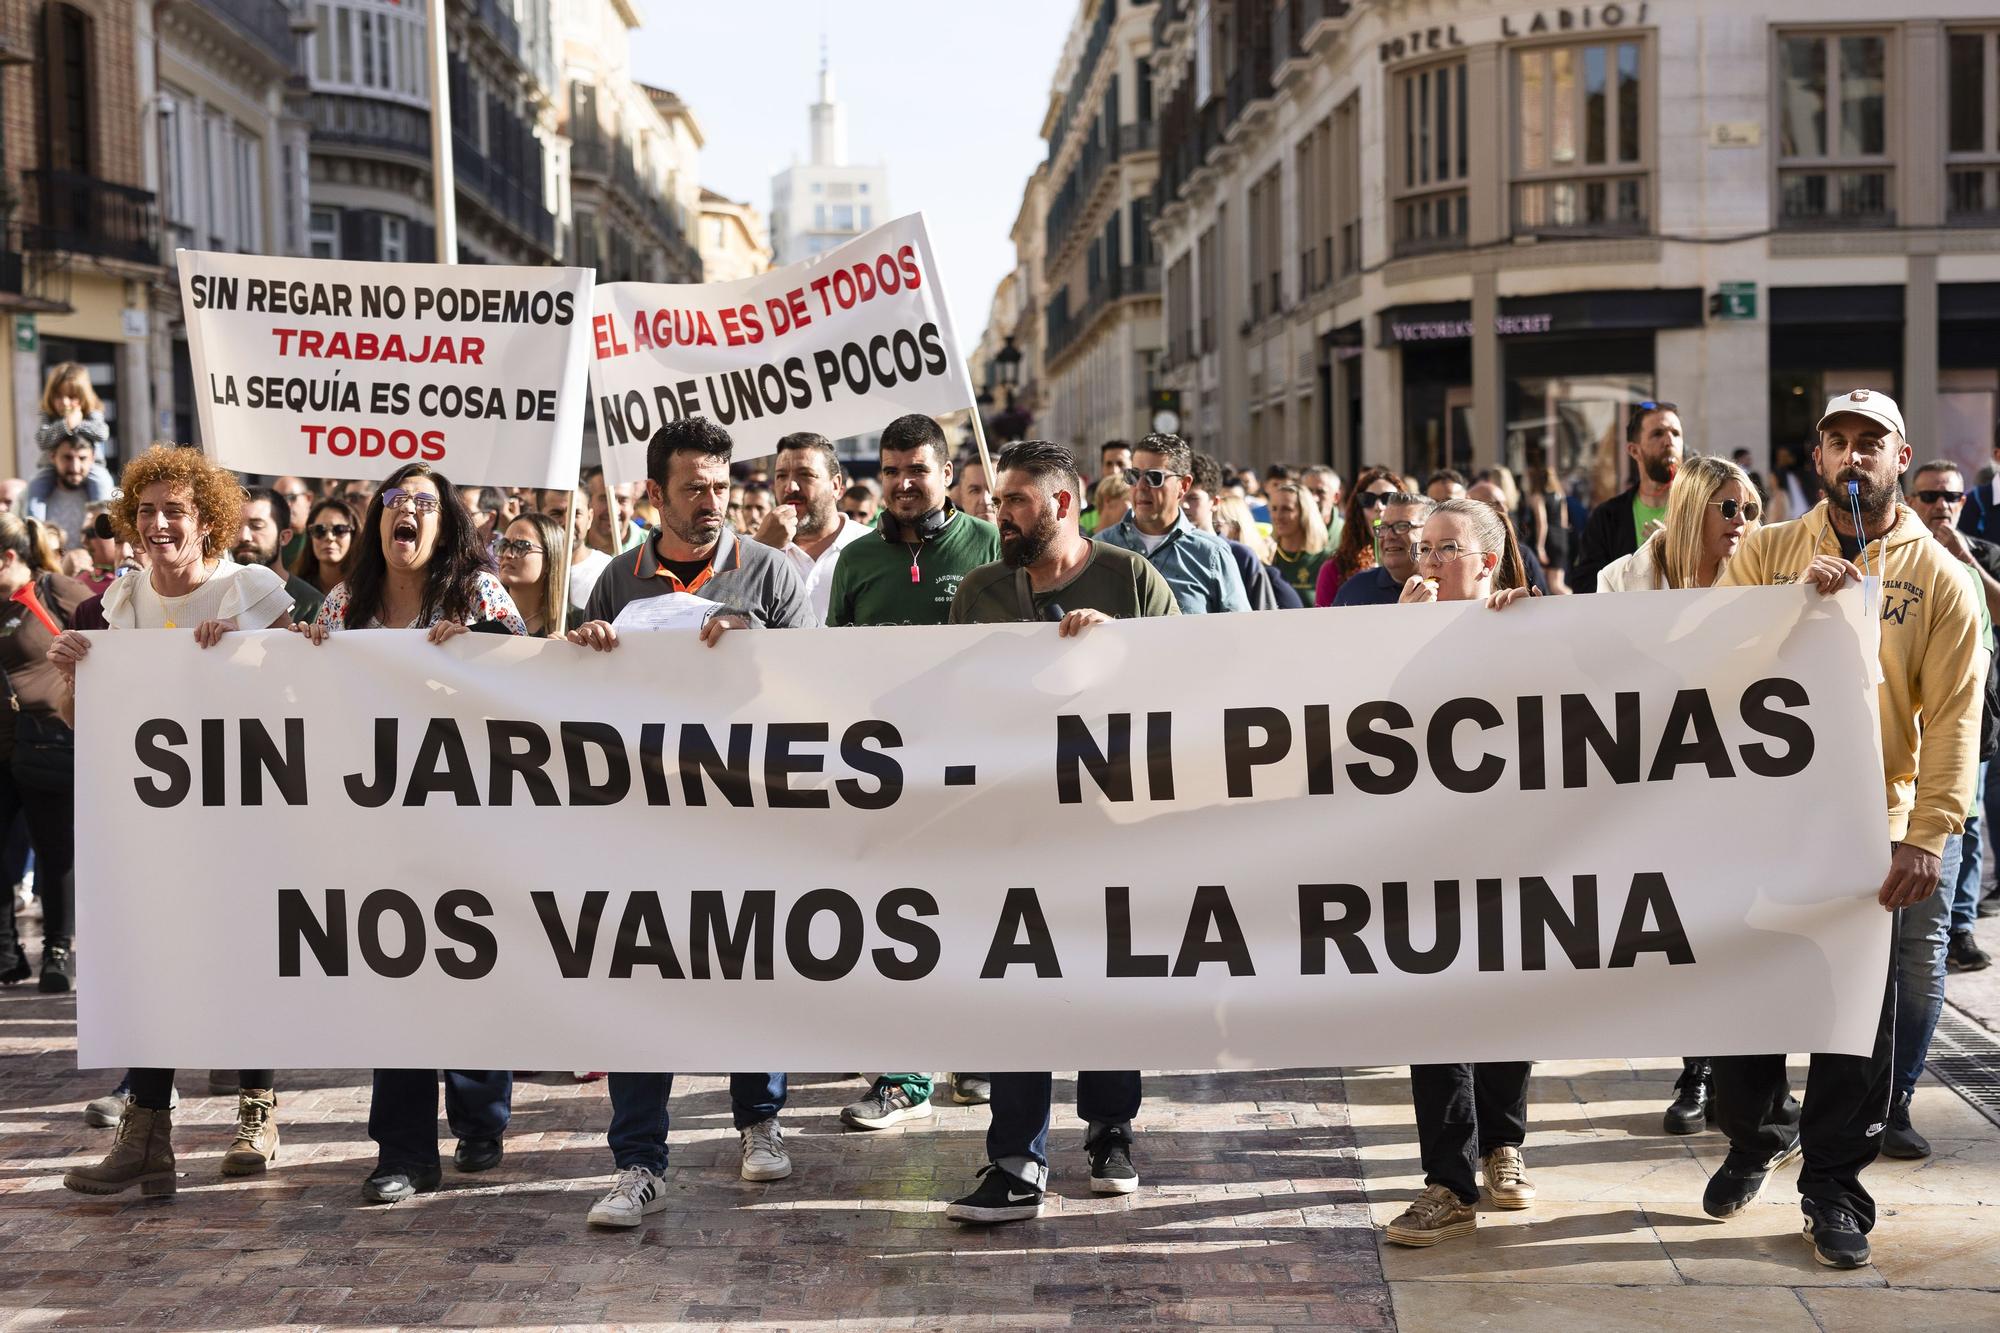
(1833,109)
(1428,163)
(1581,126)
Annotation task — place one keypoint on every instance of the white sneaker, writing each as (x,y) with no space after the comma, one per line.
(637,1193)
(764,1155)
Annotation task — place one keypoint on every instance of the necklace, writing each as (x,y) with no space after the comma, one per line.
(172,605)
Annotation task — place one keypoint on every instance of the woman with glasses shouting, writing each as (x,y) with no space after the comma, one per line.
(1469,1116)
(1356,549)
(330,553)
(419,565)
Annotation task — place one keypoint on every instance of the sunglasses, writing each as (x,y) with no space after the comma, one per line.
(398,498)
(515,546)
(1941,497)
(1374,499)
(1731,508)
(1154,477)
(102,529)
(321,531)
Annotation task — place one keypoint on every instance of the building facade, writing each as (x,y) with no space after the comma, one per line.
(825,202)
(1421,234)
(735,243)
(1101,342)
(81,222)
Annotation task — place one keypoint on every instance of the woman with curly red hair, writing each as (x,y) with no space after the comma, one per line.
(185,513)
(1356,549)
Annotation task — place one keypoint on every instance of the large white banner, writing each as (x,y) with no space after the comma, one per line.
(1580,827)
(324,368)
(841,344)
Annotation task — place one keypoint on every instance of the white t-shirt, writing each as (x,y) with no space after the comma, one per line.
(817,575)
(583,576)
(251,595)
(1152,543)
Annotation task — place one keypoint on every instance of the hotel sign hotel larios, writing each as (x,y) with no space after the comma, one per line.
(1552,831)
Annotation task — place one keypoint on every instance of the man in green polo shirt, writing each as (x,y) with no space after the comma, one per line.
(906,573)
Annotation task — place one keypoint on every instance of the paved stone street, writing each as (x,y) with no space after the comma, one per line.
(1257,1211)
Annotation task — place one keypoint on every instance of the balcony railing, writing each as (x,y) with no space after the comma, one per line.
(63,211)
(1065,325)
(1431,222)
(1817,198)
(514,201)
(364,122)
(1608,205)
(502,25)
(590,157)
(1972,196)
(1097,158)
(267,23)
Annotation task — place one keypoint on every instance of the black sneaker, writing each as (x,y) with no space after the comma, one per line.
(1693,1107)
(1964,954)
(393,1184)
(1001,1197)
(1836,1235)
(1737,1183)
(477,1154)
(1899,1138)
(56,971)
(1111,1170)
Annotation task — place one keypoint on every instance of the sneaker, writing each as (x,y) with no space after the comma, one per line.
(58,971)
(1899,1138)
(1436,1214)
(1507,1180)
(971,1089)
(17,968)
(1836,1235)
(886,1104)
(1736,1184)
(1965,955)
(1000,1197)
(393,1184)
(637,1193)
(1111,1169)
(764,1155)
(1694,1104)
(104,1112)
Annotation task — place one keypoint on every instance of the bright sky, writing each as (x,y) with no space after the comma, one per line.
(949,96)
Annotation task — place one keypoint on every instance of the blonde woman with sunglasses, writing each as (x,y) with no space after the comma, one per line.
(1711,507)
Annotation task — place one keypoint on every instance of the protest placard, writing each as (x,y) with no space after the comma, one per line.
(317,368)
(1445,843)
(841,344)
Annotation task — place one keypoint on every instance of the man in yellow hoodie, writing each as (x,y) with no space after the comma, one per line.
(1929,702)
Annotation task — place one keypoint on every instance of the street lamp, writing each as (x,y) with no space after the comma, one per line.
(1007,368)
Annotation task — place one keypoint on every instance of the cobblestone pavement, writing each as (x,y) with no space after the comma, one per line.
(1261,1193)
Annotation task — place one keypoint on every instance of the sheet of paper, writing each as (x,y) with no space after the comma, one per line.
(673,610)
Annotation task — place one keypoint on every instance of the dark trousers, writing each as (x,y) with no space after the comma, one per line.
(1847,1099)
(1465,1112)
(402,1113)
(51,821)
(1022,1112)
(154,1088)
(638,1134)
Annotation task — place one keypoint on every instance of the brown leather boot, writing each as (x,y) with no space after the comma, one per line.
(143,1155)
(256,1145)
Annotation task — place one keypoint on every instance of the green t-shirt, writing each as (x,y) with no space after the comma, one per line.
(1643,517)
(1300,570)
(1122,584)
(872,584)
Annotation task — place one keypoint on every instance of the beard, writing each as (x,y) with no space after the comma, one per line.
(1659,470)
(1875,498)
(815,522)
(1020,549)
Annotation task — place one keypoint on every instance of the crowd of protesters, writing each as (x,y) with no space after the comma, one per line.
(1155,529)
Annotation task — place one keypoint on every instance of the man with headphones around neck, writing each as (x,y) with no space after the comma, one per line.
(925,544)
(907,574)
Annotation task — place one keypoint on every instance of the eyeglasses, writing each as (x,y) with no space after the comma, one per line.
(1731,508)
(1154,477)
(321,531)
(1402,527)
(1443,553)
(514,546)
(1374,499)
(294,496)
(398,498)
(1942,497)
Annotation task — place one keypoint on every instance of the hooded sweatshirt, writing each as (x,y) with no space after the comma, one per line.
(1929,692)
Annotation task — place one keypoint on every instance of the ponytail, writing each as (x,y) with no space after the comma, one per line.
(1496,533)
(32,540)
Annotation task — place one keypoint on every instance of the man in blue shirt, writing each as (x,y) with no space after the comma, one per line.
(1401,517)
(1197,565)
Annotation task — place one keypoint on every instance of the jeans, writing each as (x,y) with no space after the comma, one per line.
(1017,1140)
(154,1088)
(1847,1101)
(638,1134)
(1923,930)
(1465,1112)
(1972,863)
(402,1113)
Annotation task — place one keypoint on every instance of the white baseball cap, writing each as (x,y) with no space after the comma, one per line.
(1877,407)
